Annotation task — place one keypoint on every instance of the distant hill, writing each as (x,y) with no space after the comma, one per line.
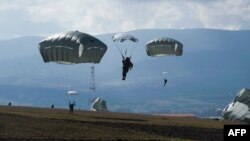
(213,67)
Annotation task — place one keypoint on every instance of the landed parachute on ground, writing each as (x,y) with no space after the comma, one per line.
(99,105)
(124,49)
(239,109)
(72,47)
(164,47)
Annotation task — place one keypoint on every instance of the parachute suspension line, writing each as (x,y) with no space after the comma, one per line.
(109,23)
(132,51)
(69,89)
(119,50)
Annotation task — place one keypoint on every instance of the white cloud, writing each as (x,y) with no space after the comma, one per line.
(102,16)
(230,15)
(6,6)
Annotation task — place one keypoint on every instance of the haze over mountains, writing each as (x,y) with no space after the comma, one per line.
(213,68)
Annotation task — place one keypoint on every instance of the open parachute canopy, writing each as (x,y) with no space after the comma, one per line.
(121,37)
(72,93)
(164,47)
(164,73)
(125,48)
(72,47)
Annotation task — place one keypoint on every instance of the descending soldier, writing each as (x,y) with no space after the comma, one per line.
(165,82)
(127,65)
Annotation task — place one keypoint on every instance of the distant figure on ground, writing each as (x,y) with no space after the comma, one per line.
(165,82)
(127,65)
(9,104)
(52,106)
(71,107)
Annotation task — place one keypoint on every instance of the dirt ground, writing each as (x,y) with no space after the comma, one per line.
(39,124)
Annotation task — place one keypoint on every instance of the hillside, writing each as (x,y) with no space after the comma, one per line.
(213,67)
(27,123)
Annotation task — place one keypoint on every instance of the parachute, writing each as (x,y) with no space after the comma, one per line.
(124,48)
(99,105)
(164,47)
(121,37)
(72,47)
(239,109)
(72,96)
(164,74)
(72,93)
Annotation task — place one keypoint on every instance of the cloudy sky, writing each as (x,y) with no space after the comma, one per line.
(45,17)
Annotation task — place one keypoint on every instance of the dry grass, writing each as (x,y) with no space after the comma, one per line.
(26,123)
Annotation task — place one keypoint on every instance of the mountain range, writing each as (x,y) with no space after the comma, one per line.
(213,68)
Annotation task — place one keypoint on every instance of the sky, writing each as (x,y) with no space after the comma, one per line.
(46,17)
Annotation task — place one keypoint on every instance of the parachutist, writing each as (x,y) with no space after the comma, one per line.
(71,107)
(165,82)
(127,65)
(125,51)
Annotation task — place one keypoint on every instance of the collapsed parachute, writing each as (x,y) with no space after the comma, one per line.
(72,47)
(124,48)
(99,105)
(239,109)
(164,47)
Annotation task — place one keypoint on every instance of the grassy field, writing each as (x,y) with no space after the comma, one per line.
(27,123)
